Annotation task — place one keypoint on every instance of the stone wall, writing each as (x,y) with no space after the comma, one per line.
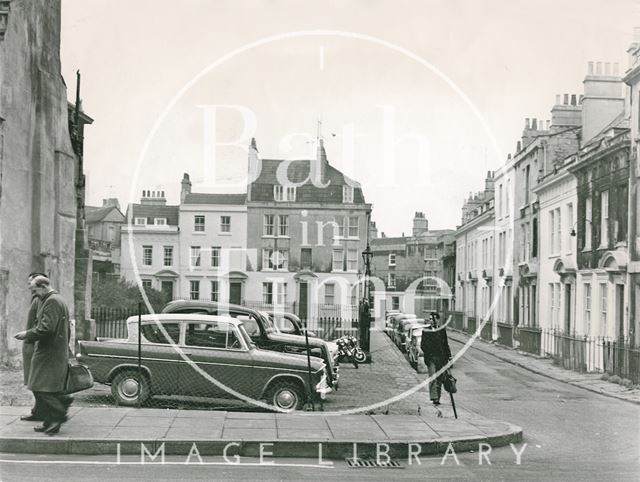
(37,173)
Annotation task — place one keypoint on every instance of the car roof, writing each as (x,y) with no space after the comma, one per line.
(185,317)
(207,304)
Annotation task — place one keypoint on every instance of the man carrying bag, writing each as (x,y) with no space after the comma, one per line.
(437,353)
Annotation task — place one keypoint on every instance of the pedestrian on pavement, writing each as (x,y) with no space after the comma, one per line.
(435,347)
(49,365)
(28,347)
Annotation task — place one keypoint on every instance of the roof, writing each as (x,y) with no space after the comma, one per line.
(183,317)
(94,214)
(297,172)
(206,198)
(155,211)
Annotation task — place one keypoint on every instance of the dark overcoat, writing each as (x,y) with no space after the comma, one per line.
(51,354)
(28,347)
(435,345)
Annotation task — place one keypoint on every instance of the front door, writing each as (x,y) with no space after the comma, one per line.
(620,311)
(235,292)
(303,299)
(167,290)
(567,308)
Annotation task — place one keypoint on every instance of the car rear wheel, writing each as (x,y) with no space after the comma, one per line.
(286,395)
(128,386)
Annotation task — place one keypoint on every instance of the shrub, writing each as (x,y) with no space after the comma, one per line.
(625,382)
(605,376)
(614,379)
(120,293)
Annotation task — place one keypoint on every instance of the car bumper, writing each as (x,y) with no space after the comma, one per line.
(322,388)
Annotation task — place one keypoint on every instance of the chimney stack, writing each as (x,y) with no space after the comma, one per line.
(567,114)
(111,202)
(420,224)
(185,187)
(603,98)
(153,198)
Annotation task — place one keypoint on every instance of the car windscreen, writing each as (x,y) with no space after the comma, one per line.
(245,336)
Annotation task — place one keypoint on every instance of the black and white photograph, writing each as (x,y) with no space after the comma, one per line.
(300,240)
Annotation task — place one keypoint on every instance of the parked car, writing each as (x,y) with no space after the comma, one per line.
(397,322)
(261,330)
(391,322)
(403,331)
(290,324)
(414,352)
(218,345)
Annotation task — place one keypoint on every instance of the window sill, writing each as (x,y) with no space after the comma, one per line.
(224,234)
(198,233)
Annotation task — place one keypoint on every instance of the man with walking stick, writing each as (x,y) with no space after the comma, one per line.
(437,353)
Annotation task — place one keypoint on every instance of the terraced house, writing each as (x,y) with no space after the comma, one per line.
(407,264)
(307,225)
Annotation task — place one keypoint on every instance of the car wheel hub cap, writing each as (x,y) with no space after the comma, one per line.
(286,399)
(129,388)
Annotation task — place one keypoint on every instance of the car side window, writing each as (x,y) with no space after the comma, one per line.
(250,324)
(212,335)
(153,333)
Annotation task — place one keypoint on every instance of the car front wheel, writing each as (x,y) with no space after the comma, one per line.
(128,386)
(287,396)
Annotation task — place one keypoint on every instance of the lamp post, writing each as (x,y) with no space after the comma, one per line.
(365,305)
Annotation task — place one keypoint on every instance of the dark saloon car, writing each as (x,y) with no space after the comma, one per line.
(200,356)
(261,329)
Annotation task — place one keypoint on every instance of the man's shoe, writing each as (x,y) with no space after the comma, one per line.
(54,428)
(436,402)
(30,418)
(41,428)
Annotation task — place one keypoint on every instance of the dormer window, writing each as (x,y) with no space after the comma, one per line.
(282,193)
(347,194)
(140,221)
(160,221)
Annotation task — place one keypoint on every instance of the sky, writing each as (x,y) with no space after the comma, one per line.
(415,100)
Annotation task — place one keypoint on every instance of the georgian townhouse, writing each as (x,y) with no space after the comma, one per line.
(150,244)
(213,243)
(540,171)
(632,78)
(307,223)
(602,173)
(411,268)
(503,252)
(475,261)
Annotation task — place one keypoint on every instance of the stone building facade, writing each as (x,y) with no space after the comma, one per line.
(40,174)
(475,261)
(411,269)
(632,78)
(307,225)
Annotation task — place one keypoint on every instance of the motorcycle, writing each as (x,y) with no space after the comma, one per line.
(348,347)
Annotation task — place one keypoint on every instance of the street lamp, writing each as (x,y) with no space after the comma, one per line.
(365,305)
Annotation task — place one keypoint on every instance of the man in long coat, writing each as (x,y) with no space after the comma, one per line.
(28,348)
(435,346)
(49,365)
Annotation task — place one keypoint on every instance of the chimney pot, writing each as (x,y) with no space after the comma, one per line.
(566,99)
(534,124)
(526,123)
(616,69)
(518,146)
(548,124)
(573,99)
(598,68)
(558,97)
(590,68)
(607,68)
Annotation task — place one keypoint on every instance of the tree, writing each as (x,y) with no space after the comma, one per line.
(112,292)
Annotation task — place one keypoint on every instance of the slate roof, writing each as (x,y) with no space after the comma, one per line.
(298,171)
(206,198)
(94,214)
(151,211)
